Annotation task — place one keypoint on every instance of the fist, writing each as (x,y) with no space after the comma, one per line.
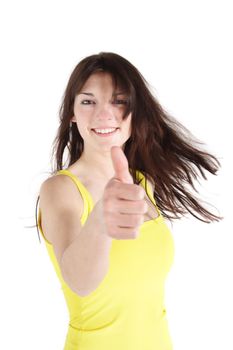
(123,202)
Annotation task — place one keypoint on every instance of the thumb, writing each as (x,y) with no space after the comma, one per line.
(121,166)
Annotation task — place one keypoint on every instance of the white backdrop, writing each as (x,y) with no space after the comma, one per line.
(184,49)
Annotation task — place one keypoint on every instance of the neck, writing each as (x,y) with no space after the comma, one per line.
(98,164)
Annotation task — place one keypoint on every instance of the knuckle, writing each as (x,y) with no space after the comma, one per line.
(140,192)
(139,220)
(116,184)
(134,234)
(145,207)
(108,192)
(142,219)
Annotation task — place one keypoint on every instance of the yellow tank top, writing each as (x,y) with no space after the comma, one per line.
(126,311)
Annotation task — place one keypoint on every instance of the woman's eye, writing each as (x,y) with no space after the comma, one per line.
(120,102)
(87,102)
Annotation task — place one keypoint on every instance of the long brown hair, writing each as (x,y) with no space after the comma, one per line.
(160,147)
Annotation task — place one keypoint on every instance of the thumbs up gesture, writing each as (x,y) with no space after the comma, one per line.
(123,204)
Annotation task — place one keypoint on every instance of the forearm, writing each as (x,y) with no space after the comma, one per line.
(86,260)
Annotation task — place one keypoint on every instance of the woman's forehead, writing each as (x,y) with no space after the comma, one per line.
(104,79)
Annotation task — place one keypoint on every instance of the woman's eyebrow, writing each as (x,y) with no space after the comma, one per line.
(90,94)
(86,93)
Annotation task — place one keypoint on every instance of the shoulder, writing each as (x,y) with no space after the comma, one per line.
(60,207)
(59,190)
(57,182)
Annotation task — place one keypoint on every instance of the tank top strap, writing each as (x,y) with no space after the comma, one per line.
(148,189)
(87,200)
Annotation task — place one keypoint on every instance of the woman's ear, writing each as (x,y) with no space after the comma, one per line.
(73,119)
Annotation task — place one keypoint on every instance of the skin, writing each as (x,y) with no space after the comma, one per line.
(119,206)
(99,110)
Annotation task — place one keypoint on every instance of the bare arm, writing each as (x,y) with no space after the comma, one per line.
(82,252)
(90,251)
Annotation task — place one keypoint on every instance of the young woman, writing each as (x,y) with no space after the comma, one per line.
(102,212)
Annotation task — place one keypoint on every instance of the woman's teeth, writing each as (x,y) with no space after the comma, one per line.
(104,131)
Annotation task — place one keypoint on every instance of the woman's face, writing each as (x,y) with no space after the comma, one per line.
(98,112)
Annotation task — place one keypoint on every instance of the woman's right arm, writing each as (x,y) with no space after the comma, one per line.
(82,252)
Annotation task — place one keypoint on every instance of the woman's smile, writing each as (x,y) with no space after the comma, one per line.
(105,132)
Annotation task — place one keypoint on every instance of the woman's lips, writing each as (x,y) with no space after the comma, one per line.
(105,134)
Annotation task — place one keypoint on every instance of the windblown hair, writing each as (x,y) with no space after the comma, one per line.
(159,146)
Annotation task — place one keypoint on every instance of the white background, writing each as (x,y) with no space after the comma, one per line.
(184,50)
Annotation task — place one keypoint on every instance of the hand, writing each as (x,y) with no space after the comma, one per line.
(123,203)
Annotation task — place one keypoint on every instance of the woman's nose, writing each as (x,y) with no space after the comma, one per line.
(105,112)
